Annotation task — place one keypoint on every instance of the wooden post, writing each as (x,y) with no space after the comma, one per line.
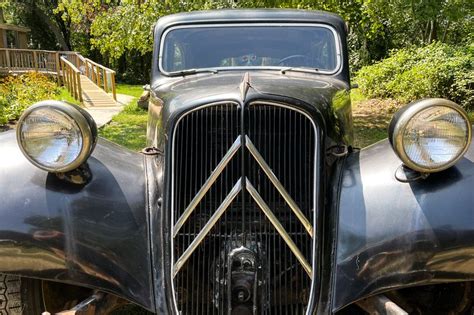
(69,79)
(63,70)
(106,86)
(98,76)
(35,60)
(58,67)
(79,87)
(86,64)
(7,53)
(74,83)
(74,79)
(93,73)
(113,85)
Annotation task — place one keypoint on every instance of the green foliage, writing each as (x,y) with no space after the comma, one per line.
(19,92)
(122,30)
(436,70)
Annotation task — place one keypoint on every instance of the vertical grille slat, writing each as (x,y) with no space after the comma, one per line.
(275,156)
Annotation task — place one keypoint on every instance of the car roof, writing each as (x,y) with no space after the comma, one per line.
(251,16)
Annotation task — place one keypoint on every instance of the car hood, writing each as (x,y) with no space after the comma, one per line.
(327,95)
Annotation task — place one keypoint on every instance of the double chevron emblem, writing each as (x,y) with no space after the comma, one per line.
(237,188)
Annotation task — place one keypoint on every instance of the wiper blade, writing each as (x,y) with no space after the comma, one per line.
(191,71)
(299,69)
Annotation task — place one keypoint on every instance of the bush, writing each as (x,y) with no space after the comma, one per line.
(19,92)
(436,70)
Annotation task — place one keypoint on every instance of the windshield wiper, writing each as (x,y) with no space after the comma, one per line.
(299,69)
(191,71)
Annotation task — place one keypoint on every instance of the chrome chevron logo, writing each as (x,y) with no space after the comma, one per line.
(236,189)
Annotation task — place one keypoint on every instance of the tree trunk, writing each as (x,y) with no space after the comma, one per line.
(445,31)
(433,32)
(426,32)
(53,27)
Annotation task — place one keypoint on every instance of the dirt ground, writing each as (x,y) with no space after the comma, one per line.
(371,119)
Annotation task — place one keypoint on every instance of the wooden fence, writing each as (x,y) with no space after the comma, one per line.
(67,66)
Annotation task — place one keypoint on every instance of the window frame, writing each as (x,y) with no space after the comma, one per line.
(337,39)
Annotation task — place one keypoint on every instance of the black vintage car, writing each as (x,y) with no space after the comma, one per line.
(250,198)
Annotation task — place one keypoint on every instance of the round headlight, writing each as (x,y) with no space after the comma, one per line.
(430,135)
(56,136)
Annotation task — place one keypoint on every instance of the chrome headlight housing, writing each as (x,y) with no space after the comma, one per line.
(430,135)
(55,136)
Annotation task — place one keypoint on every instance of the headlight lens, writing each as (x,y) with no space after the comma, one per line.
(431,135)
(55,136)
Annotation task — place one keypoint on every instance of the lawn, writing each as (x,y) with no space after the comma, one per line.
(128,128)
(129,89)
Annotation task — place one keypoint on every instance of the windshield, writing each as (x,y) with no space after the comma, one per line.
(256,46)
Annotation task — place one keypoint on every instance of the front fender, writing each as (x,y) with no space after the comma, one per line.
(393,235)
(94,235)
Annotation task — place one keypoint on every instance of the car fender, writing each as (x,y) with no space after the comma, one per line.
(392,234)
(94,235)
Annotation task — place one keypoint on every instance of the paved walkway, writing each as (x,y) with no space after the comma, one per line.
(103,114)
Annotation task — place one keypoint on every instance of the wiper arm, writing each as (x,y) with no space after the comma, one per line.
(191,71)
(299,69)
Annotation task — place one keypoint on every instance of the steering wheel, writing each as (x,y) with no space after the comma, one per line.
(285,59)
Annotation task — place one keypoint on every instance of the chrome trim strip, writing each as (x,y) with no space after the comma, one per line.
(281,230)
(337,40)
(268,171)
(207,228)
(212,178)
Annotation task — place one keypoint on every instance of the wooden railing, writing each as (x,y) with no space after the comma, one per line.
(102,76)
(72,78)
(67,66)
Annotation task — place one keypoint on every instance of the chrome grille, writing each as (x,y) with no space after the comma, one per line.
(243,209)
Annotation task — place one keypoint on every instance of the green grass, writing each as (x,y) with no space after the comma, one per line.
(365,136)
(128,89)
(128,128)
(64,95)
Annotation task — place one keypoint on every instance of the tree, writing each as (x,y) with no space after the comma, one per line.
(48,29)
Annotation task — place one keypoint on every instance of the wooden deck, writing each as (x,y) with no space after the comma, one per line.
(88,82)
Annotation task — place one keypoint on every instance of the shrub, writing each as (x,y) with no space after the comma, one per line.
(19,92)
(436,70)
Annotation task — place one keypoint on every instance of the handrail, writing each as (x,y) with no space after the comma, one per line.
(72,78)
(51,62)
(100,75)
